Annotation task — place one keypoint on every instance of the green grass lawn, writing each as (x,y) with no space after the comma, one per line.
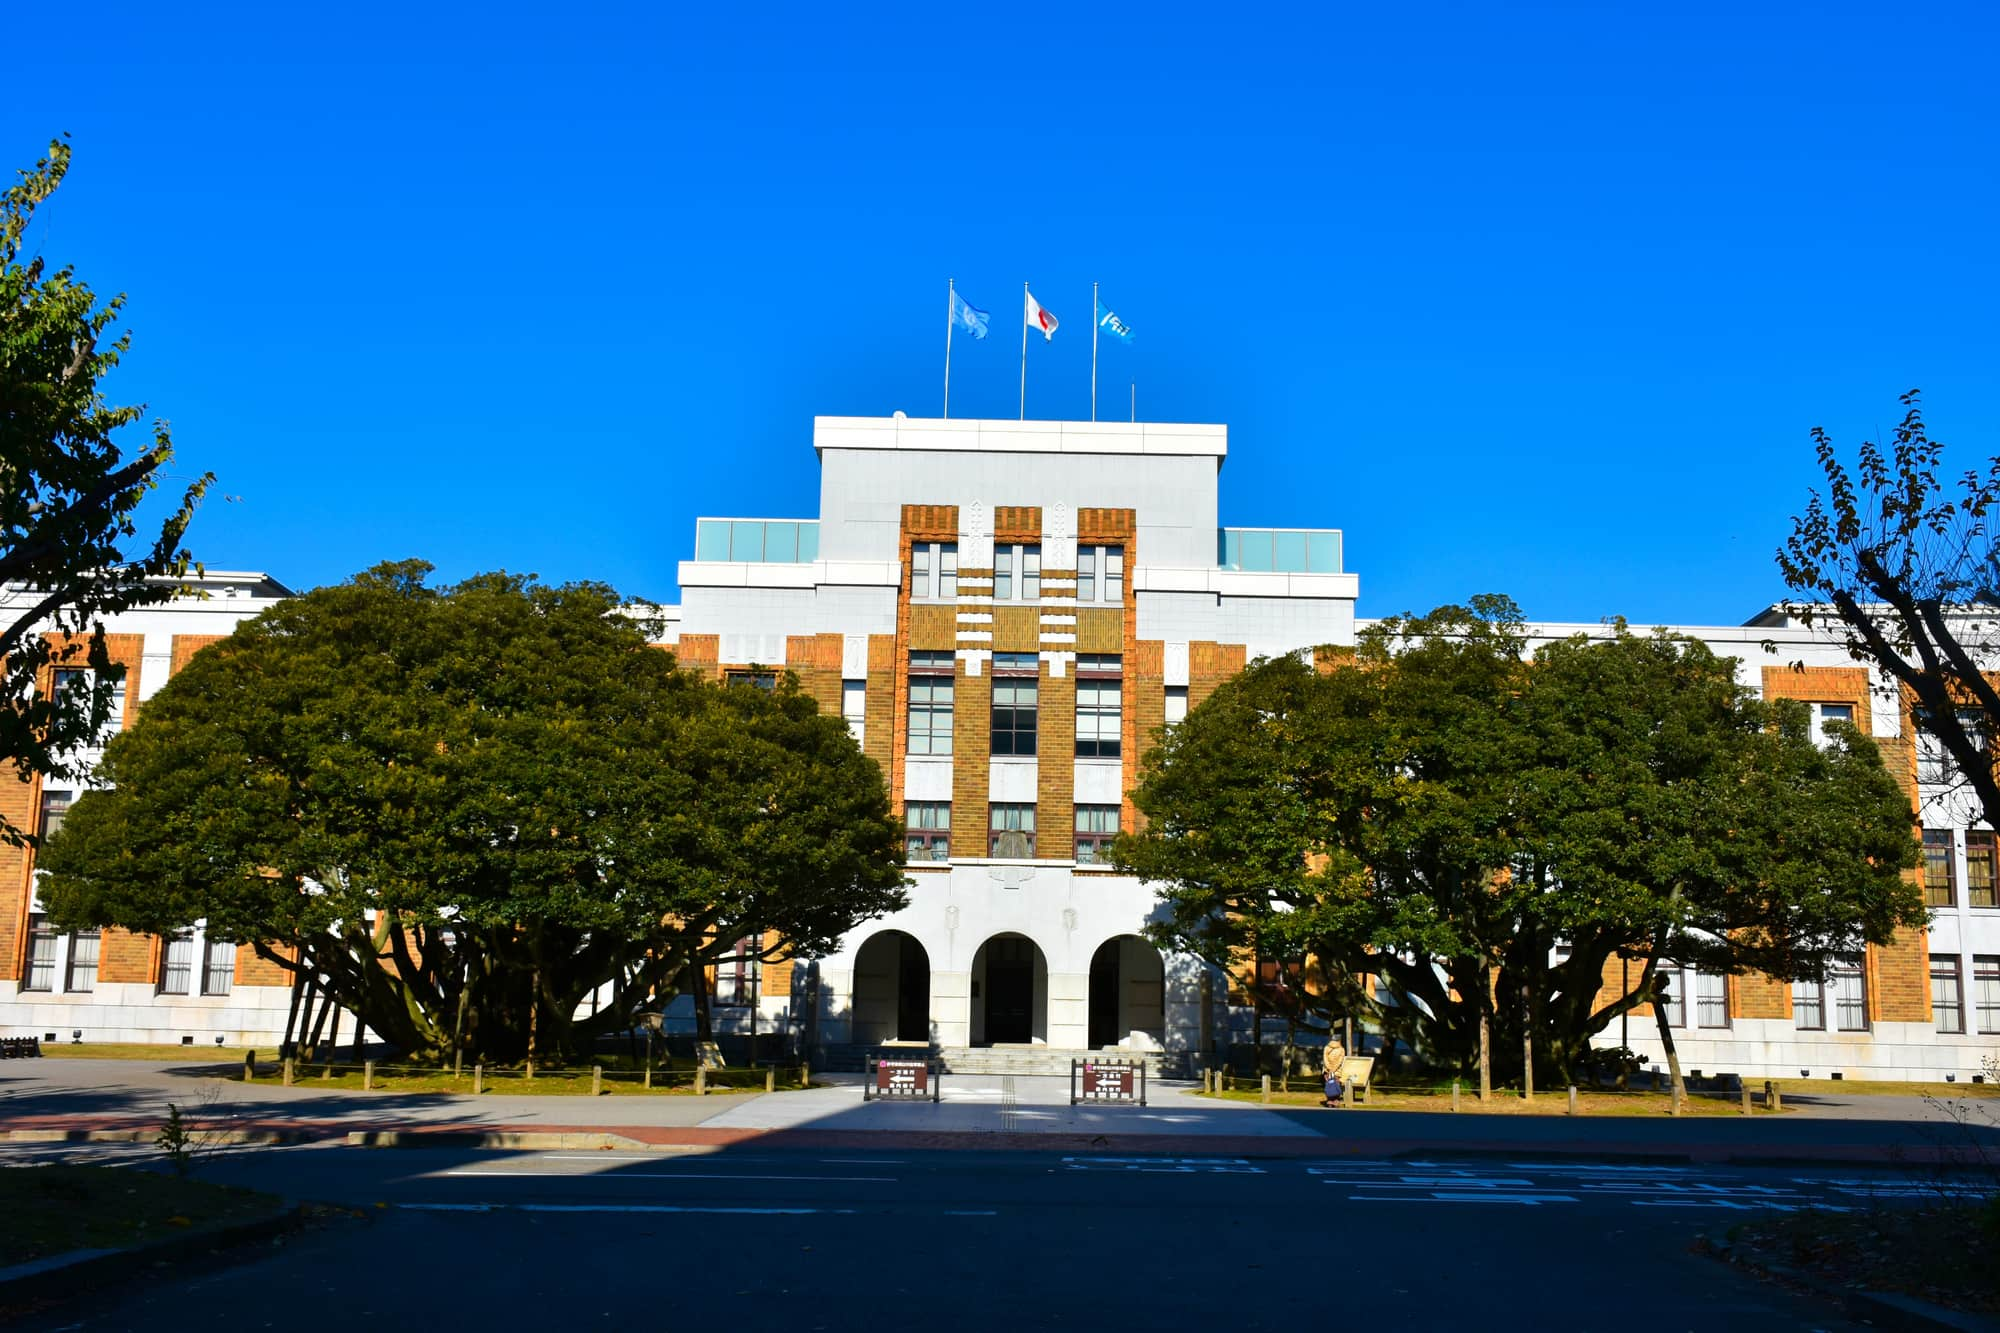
(47,1210)
(1502,1102)
(1855,1087)
(120,1050)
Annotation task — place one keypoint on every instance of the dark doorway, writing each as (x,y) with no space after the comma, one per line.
(913,993)
(1010,989)
(1104,1016)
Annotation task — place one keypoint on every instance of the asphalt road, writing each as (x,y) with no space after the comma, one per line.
(979,1240)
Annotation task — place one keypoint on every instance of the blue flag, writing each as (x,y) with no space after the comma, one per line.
(967,316)
(1111,324)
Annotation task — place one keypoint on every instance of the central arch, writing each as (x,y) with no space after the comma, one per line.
(892,989)
(1010,992)
(1128,983)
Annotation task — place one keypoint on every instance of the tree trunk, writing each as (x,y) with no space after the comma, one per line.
(1673,1056)
(704,1020)
(1486,1037)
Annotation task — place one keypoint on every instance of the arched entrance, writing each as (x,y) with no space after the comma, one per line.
(1128,984)
(892,989)
(1010,992)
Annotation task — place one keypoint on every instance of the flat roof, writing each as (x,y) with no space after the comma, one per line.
(973,435)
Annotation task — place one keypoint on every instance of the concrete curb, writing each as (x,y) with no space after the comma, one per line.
(63,1275)
(1881,1309)
(524,1140)
(220,1138)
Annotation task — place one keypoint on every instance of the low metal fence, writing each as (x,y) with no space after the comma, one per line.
(480,1078)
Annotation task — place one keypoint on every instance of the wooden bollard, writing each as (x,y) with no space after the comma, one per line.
(249,1066)
(649,1076)
(1773,1099)
(458,1064)
(478,1079)
(771,1079)
(805,1076)
(597,1080)
(700,1082)
(1746,1099)
(1454,1096)
(287,1071)
(367,1075)
(531,1069)
(1267,1089)
(1572,1099)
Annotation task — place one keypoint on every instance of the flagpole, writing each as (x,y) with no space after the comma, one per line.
(1093,351)
(1024,351)
(950,287)
(1135,402)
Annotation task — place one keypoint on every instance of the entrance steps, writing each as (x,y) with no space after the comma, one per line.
(1024,1059)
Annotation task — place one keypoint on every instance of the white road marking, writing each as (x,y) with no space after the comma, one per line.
(1444,1197)
(669,1175)
(616,1208)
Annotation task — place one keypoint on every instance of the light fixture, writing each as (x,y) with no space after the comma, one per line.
(76,1036)
(218,1039)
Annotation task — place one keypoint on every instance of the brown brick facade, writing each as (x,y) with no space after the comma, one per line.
(1055,782)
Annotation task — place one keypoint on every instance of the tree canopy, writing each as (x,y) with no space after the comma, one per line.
(1463,822)
(69,496)
(469,809)
(1904,566)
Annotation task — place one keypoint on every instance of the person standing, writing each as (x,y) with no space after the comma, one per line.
(1329,1062)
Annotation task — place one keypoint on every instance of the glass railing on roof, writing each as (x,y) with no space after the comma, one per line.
(1279,550)
(780,541)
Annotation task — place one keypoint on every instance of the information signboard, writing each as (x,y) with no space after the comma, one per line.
(1116,1082)
(901,1080)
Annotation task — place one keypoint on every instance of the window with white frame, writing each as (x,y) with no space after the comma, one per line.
(1011,830)
(1980,857)
(1177,704)
(177,963)
(80,975)
(55,805)
(934,569)
(930,703)
(1940,868)
(927,830)
(1017,569)
(44,947)
(1947,993)
(1100,574)
(1934,763)
(1986,991)
(1841,1000)
(737,975)
(1096,826)
(218,967)
(68,679)
(1099,711)
(1016,702)
(1823,713)
(854,707)
(1708,990)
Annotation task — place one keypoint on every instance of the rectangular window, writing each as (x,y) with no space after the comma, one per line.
(1100,574)
(69,679)
(1096,826)
(1003,573)
(930,703)
(1934,763)
(177,963)
(1947,993)
(1011,831)
(927,826)
(1176,704)
(1825,713)
(762,680)
(1711,1000)
(1098,706)
(854,707)
(55,804)
(736,975)
(42,948)
(83,950)
(1016,566)
(218,967)
(1979,858)
(1675,977)
(934,569)
(1986,991)
(1940,868)
(1016,686)
(1808,1006)
(1849,989)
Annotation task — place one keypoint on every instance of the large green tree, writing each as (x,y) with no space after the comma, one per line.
(69,496)
(468,809)
(1443,812)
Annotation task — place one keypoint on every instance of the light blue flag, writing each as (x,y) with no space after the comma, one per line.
(1112,325)
(967,316)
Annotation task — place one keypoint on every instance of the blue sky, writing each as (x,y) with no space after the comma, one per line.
(1531,299)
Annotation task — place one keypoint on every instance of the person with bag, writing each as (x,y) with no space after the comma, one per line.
(1329,1062)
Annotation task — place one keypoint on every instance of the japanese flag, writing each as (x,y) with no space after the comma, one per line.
(1040,319)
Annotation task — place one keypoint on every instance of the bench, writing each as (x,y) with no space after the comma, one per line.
(1355,1071)
(18,1048)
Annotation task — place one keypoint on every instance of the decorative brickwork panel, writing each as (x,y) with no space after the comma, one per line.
(20,802)
(1209,664)
(125,957)
(187,645)
(1017,629)
(883,724)
(972,745)
(700,653)
(1100,631)
(822,651)
(1328,656)
(1145,714)
(1055,783)
(934,628)
(930,523)
(1899,979)
(1107,525)
(1017,523)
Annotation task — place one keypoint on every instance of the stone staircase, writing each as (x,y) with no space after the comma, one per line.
(1048,1060)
